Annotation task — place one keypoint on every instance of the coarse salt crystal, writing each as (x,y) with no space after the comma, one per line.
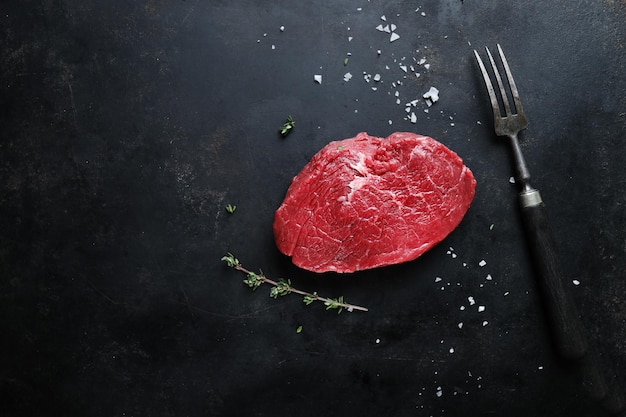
(451,350)
(460,325)
(576,282)
(512,180)
(471,300)
(488,277)
(432,94)
(438,279)
(394,37)
(347,76)
(482,263)
(485,323)
(481,309)
(318,78)
(413,117)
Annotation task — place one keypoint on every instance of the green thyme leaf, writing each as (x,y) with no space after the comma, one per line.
(230,260)
(253,280)
(287,126)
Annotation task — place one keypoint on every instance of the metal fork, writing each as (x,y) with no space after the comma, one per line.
(567,331)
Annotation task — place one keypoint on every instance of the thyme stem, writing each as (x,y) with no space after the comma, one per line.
(282,287)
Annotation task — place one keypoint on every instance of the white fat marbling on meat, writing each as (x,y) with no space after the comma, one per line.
(360,166)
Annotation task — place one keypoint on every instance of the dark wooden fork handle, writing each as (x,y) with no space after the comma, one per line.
(566,327)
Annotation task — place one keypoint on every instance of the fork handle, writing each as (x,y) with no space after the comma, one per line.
(567,329)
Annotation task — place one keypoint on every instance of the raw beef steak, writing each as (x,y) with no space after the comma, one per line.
(366,202)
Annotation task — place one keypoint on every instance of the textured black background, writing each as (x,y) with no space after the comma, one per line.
(126,127)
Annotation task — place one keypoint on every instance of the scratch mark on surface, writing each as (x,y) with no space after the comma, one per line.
(99,292)
(249,147)
(249,315)
(73,104)
(191,10)
(186,303)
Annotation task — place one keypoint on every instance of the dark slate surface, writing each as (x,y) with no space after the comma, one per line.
(126,127)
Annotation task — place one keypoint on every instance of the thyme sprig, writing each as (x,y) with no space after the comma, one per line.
(283,287)
(286,128)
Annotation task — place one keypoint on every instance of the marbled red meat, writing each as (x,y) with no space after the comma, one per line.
(367,202)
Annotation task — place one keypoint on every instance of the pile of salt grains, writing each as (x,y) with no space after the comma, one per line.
(405,69)
(397,72)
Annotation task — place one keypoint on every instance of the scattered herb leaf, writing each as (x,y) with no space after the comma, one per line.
(299,329)
(230,208)
(345,62)
(283,287)
(287,126)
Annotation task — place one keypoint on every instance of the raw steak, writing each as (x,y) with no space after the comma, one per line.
(366,202)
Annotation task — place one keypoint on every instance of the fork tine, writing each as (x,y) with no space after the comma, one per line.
(492,94)
(505,100)
(509,76)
